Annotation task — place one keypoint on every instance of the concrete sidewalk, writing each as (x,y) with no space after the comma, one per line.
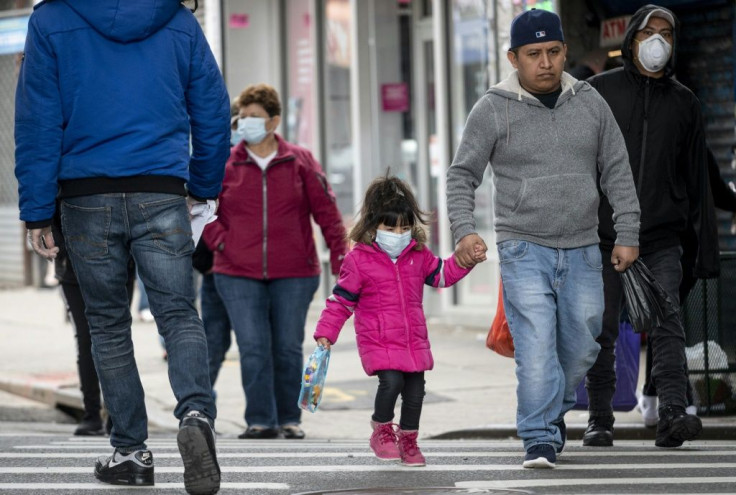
(470,393)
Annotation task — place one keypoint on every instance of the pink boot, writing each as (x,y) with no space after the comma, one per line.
(383,441)
(409,450)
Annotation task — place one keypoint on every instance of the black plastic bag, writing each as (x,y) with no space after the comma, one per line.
(647,302)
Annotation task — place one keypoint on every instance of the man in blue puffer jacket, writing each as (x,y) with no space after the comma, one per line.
(108,95)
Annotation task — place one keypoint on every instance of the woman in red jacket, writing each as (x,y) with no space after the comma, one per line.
(266,265)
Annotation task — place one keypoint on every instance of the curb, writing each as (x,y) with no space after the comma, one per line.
(49,393)
(712,430)
(34,414)
(54,395)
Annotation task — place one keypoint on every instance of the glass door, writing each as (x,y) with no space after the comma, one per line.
(427,165)
(473,65)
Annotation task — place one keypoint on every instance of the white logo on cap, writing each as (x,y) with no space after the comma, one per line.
(541,34)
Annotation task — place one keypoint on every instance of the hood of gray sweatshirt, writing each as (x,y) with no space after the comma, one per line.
(549,167)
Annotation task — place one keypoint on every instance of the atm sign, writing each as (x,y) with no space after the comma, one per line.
(613,31)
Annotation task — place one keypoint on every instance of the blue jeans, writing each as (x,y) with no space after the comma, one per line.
(268,317)
(143,301)
(102,232)
(216,325)
(553,300)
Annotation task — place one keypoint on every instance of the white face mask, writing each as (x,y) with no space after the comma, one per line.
(654,52)
(252,129)
(392,243)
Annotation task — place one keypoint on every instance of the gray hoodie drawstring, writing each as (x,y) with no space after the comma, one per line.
(508,126)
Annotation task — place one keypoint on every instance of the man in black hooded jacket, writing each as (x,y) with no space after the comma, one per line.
(664,133)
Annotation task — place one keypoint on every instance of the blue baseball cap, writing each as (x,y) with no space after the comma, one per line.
(535,26)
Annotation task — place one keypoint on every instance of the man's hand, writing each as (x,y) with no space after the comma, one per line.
(43,242)
(623,256)
(470,251)
(190,203)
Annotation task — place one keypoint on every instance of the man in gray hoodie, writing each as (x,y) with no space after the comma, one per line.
(550,140)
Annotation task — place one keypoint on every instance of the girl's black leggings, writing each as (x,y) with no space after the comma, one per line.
(391,383)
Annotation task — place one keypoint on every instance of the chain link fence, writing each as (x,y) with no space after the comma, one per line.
(709,317)
(15,268)
(8,80)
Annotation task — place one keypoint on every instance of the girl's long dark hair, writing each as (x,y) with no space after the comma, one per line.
(389,201)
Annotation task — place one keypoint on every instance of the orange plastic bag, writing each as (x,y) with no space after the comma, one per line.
(499,336)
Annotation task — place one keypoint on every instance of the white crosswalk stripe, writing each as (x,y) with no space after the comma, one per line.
(58,465)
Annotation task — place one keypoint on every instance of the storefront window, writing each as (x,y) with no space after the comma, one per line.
(472,63)
(301,119)
(13,29)
(338,153)
(523,5)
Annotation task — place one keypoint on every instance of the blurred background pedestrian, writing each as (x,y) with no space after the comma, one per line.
(724,198)
(590,64)
(265,261)
(662,124)
(216,323)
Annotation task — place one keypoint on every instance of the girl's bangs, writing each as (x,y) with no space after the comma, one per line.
(399,215)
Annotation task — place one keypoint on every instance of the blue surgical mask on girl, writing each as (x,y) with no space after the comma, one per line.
(392,243)
(253,129)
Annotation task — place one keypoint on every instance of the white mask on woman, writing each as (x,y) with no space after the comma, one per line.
(253,129)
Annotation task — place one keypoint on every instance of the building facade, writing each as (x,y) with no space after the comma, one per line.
(372,85)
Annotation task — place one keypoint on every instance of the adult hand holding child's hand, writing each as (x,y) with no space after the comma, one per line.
(470,251)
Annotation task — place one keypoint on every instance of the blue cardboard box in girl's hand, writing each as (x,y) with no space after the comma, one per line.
(313,379)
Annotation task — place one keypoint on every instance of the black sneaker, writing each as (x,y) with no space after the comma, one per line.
(292,431)
(599,432)
(563,433)
(540,456)
(259,432)
(135,468)
(90,427)
(196,440)
(675,426)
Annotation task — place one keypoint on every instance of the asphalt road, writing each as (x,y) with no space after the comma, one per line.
(41,458)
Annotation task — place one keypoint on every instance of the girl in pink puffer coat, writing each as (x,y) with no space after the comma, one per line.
(382,281)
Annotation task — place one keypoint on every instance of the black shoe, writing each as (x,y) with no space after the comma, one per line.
(196,440)
(675,426)
(135,468)
(292,431)
(599,432)
(259,432)
(90,427)
(563,433)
